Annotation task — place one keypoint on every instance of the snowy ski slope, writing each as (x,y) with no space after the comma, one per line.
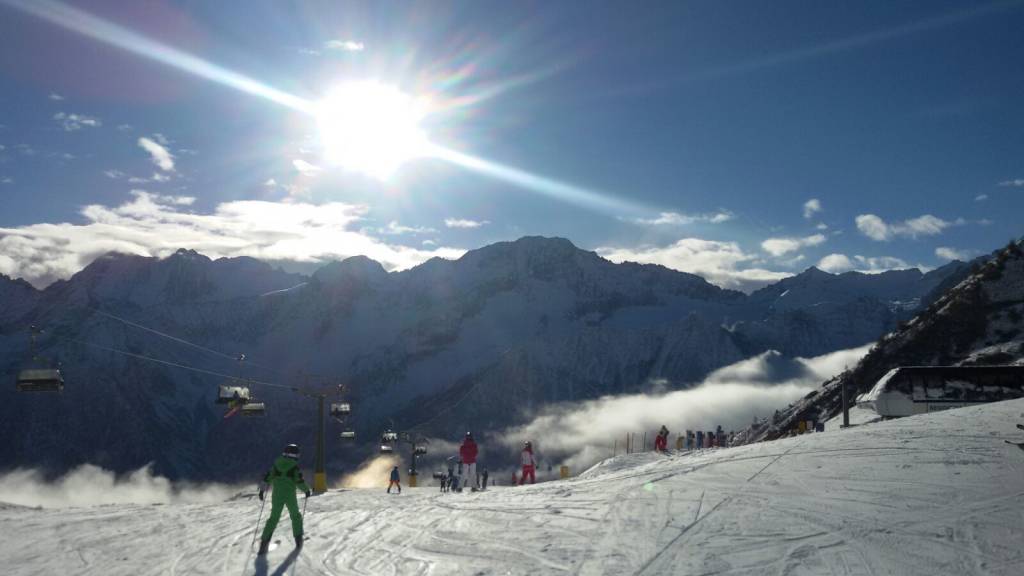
(932,494)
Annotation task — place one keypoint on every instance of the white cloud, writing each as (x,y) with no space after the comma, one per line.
(114,174)
(781,246)
(161,156)
(394,228)
(680,219)
(345,45)
(822,226)
(876,228)
(464,223)
(812,207)
(6,180)
(722,263)
(1016,183)
(873,227)
(125,127)
(55,97)
(89,485)
(158,177)
(270,183)
(155,225)
(728,397)
(72,122)
(305,167)
(308,52)
(947,253)
(836,263)
(981,197)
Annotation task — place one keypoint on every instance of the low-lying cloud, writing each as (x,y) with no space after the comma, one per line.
(90,485)
(581,434)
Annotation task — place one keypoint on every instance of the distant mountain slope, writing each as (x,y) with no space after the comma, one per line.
(980,321)
(477,342)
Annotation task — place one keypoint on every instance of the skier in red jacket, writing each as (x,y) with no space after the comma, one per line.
(529,465)
(661,442)
(468,452)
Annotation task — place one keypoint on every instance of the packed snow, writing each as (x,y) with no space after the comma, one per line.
(933,494)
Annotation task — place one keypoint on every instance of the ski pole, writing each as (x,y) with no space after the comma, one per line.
(260,517)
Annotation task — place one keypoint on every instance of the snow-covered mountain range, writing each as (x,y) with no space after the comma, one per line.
(475,343)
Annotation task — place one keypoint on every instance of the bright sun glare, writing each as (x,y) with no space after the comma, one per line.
(371,128)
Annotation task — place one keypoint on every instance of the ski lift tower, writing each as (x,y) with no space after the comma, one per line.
(320,395)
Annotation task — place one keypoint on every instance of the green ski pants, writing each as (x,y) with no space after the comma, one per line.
(279,499)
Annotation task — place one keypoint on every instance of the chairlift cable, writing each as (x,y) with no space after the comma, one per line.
(182,340)
(179,365)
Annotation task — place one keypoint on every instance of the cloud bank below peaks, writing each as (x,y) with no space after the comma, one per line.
(722,263)
(580,434)
(156,225)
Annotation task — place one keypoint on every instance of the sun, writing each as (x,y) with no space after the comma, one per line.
(370,127)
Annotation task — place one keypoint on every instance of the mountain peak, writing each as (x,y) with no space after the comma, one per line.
(353,268)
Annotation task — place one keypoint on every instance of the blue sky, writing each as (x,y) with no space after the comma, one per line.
(744,141)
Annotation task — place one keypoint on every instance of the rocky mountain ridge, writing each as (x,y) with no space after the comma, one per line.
(479,342)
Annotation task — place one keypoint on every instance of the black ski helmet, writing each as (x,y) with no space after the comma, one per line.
(292,451)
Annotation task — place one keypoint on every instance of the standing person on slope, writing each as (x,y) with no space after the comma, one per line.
(529,464)
(468,452)
(661,442)
(284,478)
(395,480)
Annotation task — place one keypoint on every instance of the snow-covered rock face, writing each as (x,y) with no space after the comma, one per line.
(476,343)
(979,321)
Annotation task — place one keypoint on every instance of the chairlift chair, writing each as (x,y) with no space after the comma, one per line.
(386,449)
(420,450)
(389,436)
(254,409)
(347,435)
(340,409)
(227,394)
(40,380)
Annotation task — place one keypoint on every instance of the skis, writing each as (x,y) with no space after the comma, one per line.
(1021,426)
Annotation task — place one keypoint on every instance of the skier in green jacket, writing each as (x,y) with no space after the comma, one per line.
(284,477)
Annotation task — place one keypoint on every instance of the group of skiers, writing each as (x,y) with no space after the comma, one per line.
(285,478)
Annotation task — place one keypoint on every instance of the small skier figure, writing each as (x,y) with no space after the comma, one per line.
(283,478)
(395,480)
(529,464)
(468,452)
(661,442)
(484,479)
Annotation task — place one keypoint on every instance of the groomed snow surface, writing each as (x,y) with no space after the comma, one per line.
(932,494)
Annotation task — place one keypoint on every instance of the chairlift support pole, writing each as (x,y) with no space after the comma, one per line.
(320,474)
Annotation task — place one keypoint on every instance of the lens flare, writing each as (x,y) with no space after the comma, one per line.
(370,127)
